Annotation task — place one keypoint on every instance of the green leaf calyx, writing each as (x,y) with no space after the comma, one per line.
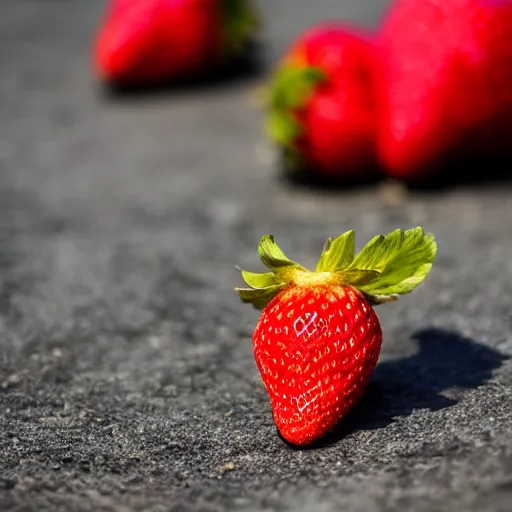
(388,266)
(288,91)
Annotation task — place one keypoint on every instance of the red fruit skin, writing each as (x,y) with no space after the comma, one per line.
(443,83)
(338,118)
(150,41)
(315,348)
(333,47)
(340,127)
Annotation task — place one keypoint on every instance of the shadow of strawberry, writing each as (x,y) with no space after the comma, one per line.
(445,360)
(474,173)
(248,67)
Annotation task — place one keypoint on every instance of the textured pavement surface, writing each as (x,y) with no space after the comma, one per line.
(127,381)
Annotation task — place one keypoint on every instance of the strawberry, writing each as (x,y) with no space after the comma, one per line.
(444,75)
(321,108)
(318,338)
(146,42)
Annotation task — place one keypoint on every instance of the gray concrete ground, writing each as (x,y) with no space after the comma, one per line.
(127,381)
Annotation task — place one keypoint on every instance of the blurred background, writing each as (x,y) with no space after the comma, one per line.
(127,380)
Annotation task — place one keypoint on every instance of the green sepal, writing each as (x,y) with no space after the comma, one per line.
(289,90)
(402,259)
(273,257)
(387,267)
(375,300)
(264,286)
(356,277)
(259,298)
(291,86)
(338,253)
(260,281)
(282,129)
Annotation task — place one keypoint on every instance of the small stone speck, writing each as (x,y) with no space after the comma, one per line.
(229,466)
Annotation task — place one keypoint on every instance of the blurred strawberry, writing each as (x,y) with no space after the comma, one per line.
(444,83)
(321,108)
(143,42)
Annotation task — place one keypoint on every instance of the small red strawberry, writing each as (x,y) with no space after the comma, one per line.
(321,108)
(443,82)
(318,338)
(146,42)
